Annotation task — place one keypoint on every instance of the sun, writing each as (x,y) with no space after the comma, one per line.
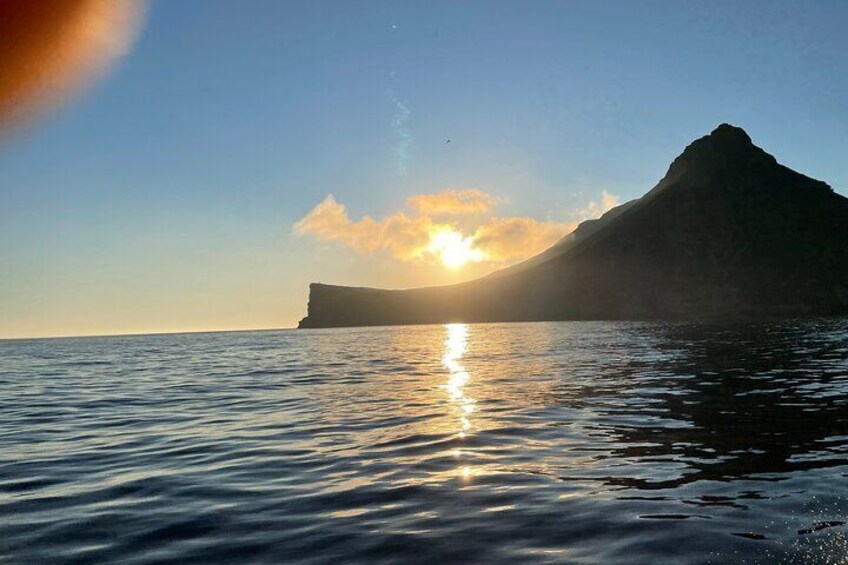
(453,248)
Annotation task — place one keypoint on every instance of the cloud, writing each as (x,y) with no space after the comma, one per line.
(596,210)
(421,236)
(511,239)
(400,234)
(453,202)
(48,50)
(403,141)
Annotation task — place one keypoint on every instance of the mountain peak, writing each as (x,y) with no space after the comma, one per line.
(727,146)
(724,140)
(730,133)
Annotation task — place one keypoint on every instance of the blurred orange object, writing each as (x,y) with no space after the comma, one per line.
(50,48)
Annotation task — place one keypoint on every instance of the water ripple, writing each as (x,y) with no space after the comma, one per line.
(593,442)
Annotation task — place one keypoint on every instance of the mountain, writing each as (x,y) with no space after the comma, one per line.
(727,232)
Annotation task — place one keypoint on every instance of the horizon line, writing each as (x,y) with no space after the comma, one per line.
(142,334)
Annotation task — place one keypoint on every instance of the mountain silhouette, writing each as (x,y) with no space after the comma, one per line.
(728,232)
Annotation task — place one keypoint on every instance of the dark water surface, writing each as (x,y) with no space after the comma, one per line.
(563,442)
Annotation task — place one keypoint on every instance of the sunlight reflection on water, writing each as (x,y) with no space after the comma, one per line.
(456,342)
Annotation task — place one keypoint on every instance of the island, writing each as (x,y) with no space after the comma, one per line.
(727,232)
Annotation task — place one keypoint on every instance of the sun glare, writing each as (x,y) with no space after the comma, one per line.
(452,248)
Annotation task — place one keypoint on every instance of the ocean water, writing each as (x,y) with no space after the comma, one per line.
(583,442)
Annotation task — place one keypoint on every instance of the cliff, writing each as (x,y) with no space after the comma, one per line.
(727,232)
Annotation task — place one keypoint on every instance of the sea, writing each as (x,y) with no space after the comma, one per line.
(569,442)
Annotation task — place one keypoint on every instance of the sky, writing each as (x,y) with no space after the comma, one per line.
(240,150)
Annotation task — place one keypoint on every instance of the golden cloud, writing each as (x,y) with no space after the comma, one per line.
(400,234)
(511,239)
(48,49)
(420,236)
(453,202)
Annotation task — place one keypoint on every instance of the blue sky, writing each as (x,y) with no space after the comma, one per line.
(163,198)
